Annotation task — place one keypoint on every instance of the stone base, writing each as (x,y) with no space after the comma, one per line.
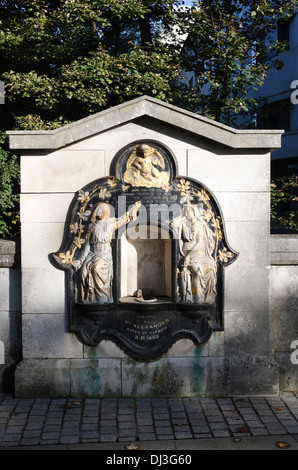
(124,377)
(288,380)
(7,370)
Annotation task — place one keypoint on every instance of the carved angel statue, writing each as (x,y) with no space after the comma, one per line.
(95,264)
(141,168)
(197,274)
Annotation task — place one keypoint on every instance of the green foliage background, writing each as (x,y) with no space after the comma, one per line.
(9,193)
(62,60)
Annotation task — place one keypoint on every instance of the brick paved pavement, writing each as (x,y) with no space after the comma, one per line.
(40,421)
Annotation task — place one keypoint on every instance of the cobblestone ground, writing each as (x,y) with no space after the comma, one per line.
(69,421)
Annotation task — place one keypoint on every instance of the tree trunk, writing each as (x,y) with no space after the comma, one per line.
(145,30)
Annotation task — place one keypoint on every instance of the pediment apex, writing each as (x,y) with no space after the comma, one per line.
(141,107)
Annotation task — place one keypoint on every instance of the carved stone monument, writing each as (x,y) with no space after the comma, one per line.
(145,254)
(145,188)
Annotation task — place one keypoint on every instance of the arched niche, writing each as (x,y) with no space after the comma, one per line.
(146,264)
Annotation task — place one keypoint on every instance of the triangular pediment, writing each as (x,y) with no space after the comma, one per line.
(145,106)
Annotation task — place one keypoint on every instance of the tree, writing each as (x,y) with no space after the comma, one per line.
(230,48)
(61,60)
(64,59)
(9,199)
(284,200)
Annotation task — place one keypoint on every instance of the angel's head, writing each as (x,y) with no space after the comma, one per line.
(144,150)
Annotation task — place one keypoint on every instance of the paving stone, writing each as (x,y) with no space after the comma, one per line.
(123,418)
(69,440)
(165,437)
(33,422)
(14,429)
(147,436)
(30,441)
(221,433)
(146,430)
(108,437)
(259,431)
(107,422)
(183,435)
(51,435)
(254,424)
(31,433)
(90,434)
(214,426)
(164,430)
(70,431)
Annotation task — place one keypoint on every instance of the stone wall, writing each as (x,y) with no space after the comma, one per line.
(10,313)
(284,308)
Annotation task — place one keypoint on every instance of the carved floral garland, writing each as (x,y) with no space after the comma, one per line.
(187,193)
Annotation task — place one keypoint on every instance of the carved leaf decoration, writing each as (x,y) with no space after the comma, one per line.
(184,187)
(84,215)
(203,196)
(112,182)
(66,258)
(83,196)
(104,194)
(78,242)
(224,255)
(74,228)
(125,188)
(216,223)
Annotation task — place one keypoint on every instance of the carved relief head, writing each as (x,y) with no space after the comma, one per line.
(101,211)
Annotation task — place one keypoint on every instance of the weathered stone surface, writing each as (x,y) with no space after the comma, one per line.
(9,253)
(284,249)
(43,290)
(45,208)
(243,331)
(283,306)
(230,171)
(94,378)
(10,290)
(40,175)
(288,372)
(251,375)
(2,353)
(137,108)
(169,377)
(43,378)
(46,336)
(247,289)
